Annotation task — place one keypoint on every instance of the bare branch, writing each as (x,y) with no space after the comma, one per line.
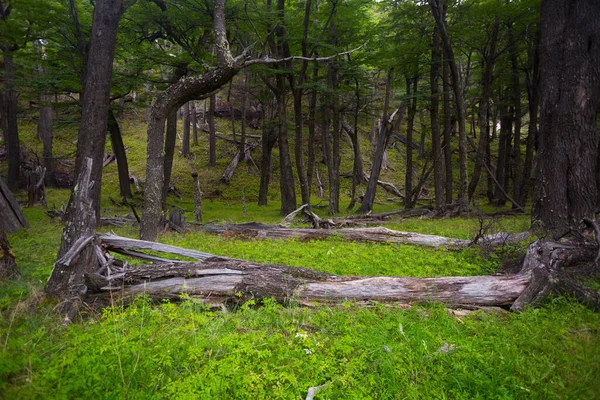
(268,60)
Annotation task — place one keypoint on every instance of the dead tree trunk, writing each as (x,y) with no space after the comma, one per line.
(225,281)
(197,199)
(12,217)
(119,149)
(8,266)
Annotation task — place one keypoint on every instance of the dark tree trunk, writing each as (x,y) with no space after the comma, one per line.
(385,130)
(447,138)
(486,84)
(357,165)
(44,132)
(334,164)
(11,135)
(96,95)
(517,171)
(170,141)
(312,121)
(12,216)
(434,114)
(287,186)
(566,188)
(462,199)
(212,132)
(503,139)
(185,142)
(8,266)
(194,122)
(412,111)
(245,104)
(119,149)
(269,137)
(532,130)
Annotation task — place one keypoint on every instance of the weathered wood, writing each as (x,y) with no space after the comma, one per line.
(8,266)
(227,280)
(197,199)
(113,242)
(12,217)
(377,234)
(66,280)
(36,189)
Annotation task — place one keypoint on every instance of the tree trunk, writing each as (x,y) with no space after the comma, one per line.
(185,143)
(334,164)
(119,149)
(287,185)
(385,130)
(532,131)
(312,121)
(245,104)
(219,281)
(434,114)
(96,96)
(412,111)
(8,266)
(516,102)
(566,188)
(194,122)
(171,99)
(447,138)
(484,133)
(212,132)
(12,216)
(66,280)
(504,137)
(11,135)
(269,137)
(463,200)
(170,142)
(44,132)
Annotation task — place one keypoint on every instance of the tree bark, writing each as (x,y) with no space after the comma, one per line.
(8,266)
(44,132)
(566,189)
(12,216)
(11,135)
(434,114)
(447,135)
(185,143)
(412,111)
(96,95)
(269,137)
(170,142)
(212,131)
(516,104)
(504,138)
(194,122)
(119,149)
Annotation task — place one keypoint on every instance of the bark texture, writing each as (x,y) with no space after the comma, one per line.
(566,189)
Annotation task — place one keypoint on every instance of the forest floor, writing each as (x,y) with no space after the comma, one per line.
(262,349)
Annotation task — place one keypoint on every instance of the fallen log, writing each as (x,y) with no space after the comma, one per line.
(222,280)
(377,235)
(12,216)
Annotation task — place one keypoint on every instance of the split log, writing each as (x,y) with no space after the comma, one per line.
(118,244)
(223,280)
(376,235)
(12,216)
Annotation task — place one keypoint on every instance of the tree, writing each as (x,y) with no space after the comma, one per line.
(8,267)
(566,189)
(92,133)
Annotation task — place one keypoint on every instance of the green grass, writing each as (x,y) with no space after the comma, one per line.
(185,350)
(364,350)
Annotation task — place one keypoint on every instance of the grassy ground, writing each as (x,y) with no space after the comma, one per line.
(362,350)
(365,351)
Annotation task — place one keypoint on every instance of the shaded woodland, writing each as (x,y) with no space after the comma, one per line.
(486,102)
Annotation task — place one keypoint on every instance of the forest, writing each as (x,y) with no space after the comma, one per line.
(300,199)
